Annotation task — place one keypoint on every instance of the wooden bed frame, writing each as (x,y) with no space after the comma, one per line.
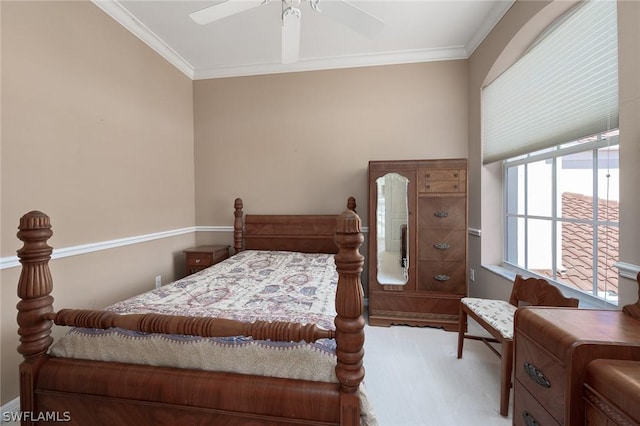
(97,392)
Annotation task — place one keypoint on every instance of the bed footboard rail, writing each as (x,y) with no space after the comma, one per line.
(192,326)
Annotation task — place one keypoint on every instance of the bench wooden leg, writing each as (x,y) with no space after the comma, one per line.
(506,371)
(462,328)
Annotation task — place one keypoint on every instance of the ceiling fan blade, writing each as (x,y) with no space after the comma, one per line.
(350,16)
(222,10)
(290,35)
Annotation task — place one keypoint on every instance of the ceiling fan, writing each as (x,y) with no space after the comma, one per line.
(340,10)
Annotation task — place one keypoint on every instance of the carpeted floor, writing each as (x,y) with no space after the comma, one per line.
(413,378)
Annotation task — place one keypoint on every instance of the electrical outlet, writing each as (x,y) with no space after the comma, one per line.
(472,275)
(158,281)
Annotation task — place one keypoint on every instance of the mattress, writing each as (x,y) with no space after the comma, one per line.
(249,286)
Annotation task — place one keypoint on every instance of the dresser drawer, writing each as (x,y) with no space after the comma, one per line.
(612,392)
(199,259)
(527,411)
(541,375)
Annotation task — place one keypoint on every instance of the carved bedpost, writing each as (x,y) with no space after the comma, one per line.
(238,227)
(351,204)
(34,288)
(35,285)
(349,320)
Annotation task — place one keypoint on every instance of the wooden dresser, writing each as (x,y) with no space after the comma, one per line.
(420,227)
(553,347)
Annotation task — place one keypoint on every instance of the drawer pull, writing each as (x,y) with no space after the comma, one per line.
(441,277)
(441,246)
(197,260)
(441,214)
(529,420)
(536,375)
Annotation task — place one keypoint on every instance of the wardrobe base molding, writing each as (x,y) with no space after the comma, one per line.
(415,310)
(407,318)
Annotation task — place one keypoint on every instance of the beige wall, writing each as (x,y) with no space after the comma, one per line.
(515,31)
(97,132)
(301,142)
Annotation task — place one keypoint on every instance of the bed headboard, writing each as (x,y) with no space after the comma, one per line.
(302,233)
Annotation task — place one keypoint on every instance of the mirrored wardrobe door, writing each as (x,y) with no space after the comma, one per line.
(392,227)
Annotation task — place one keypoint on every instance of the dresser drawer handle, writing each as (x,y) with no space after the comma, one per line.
(197,260)
(441,214)
(441,246)
(536,375)
(441,277)
(529,420)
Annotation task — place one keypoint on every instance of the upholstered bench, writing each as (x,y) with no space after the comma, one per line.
(496,317)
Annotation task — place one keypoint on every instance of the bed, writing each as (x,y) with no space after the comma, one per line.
(89,391)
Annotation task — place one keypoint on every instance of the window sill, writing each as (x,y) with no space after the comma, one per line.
(586,301)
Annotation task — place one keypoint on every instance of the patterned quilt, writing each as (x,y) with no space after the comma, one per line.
(251,285)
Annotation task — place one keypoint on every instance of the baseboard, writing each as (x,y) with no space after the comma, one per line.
(10,410)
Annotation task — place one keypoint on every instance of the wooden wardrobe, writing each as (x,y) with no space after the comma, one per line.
(417,242)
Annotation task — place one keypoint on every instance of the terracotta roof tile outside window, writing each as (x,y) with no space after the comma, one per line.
(577,245)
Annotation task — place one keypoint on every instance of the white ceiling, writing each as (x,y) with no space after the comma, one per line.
(248,43)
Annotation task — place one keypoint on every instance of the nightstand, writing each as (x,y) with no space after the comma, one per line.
(201,257)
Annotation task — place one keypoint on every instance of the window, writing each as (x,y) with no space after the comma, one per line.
(551,119)
(561,214)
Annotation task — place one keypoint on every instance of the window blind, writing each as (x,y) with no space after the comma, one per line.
(565,87)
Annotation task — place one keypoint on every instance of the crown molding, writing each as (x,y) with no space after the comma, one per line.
(317,64)
(491,20)
(137,28)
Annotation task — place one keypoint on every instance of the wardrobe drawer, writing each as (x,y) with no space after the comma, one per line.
(442,245)
(541,375)
(442,212)
(442,277)
(443,180)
